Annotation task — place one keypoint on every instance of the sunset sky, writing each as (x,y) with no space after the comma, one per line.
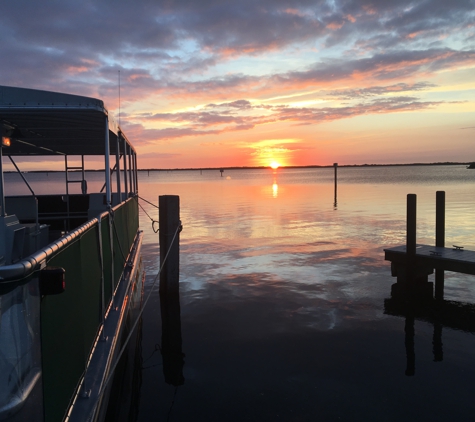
(211,83)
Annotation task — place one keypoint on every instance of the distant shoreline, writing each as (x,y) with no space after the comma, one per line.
(306,167)
(268,167)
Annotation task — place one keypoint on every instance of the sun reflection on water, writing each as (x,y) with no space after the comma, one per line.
(275,190)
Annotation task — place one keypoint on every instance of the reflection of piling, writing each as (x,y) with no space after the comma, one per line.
(169,221)
(439,240)
(335,166)
(437,346)
(172,354)
(409,343)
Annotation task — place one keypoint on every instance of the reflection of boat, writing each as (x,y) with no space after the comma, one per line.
(70,268)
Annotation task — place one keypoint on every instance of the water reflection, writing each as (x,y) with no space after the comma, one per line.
(172,354)
(440,313)
(282,302)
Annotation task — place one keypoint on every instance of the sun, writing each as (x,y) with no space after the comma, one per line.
(274,165)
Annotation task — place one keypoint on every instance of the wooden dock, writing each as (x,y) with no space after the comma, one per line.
(435,257)
(412,263)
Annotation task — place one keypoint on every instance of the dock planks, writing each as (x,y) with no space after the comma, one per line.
(437,257)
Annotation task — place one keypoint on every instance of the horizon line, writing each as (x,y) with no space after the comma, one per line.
(446,163)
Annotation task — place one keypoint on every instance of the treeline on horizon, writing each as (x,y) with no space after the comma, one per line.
(446,163)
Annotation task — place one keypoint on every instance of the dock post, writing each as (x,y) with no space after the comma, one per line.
(411,213)
(169,221)
(439,240)
(335,165)
(411,228)
(169,235)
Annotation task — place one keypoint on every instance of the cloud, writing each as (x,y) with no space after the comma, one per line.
(384,67)
(70,43)
(200,123)
(159,155)
(349,94)
(233,64)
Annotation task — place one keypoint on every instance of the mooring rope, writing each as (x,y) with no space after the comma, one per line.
(148,202)
(143,209)
(101,391)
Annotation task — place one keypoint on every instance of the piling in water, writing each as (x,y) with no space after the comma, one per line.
(439,240)
(169,236)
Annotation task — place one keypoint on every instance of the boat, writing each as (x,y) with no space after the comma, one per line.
(71,276)
(471,166)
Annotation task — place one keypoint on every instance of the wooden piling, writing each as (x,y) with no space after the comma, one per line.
(335,165)
(439,240)
(169,221)
(411,225)
(411,228)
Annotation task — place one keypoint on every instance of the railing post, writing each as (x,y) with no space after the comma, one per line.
(169,235)
(439,240)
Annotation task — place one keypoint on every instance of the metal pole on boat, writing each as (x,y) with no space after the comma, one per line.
(130,170)
(117,164)
(135,174)
(109,201)
(2,185)
(107,165)
(126,187)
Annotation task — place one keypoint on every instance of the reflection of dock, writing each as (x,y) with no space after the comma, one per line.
(440,313)
(450,314)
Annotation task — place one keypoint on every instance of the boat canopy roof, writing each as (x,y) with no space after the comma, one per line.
(52,123)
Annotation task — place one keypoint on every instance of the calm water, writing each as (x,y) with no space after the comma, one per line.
(282,298)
